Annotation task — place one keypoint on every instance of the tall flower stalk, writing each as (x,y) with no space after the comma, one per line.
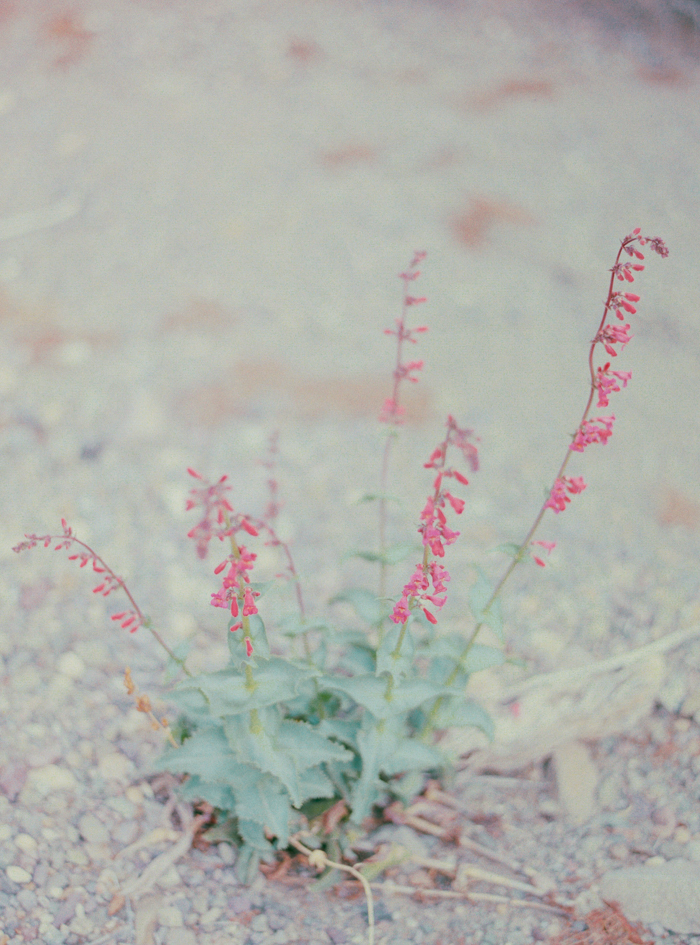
(603,382)
(392,412)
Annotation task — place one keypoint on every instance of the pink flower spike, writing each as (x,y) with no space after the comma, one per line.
(538,561)
(234,606)
(247,527)
(412,300)
(196,475)
(431,617)
(548,545)
(219,568)
(236,626)
(248,647)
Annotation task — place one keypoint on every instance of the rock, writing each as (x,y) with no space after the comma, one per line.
(50,778)
(93,830)
(182,937)
(71,665)
(116,767)
(666,893)
(170,917)
(577,778)
(26,843)
(17,875)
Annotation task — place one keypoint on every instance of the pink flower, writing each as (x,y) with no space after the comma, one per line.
(238,569)
(607,381)
(623,300)
(416,591)
(248,603)
(547,545)
(623,271)
(391,412)
(611,335)
(589,433)
(558,497)
(212,500)
(248,647)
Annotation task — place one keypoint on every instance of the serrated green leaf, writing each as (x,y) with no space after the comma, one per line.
(389,661)
(193,706)
(253,835)
(411,755)
(314,783)
(479,596)
(457,712)
(218,795)
(366,605)
(207,754)
(307,746)
(371,691)
(376,743)
(228,693)
(255,746)
(340,729)
(268,806)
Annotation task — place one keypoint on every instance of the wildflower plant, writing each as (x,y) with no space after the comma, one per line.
(275,744)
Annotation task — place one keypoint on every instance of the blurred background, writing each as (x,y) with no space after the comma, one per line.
(204,208)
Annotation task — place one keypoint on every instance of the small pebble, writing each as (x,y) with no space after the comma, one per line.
(18,875)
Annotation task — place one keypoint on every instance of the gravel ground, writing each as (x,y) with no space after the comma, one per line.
(204,209)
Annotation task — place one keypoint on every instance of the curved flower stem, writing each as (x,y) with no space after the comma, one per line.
(522,548)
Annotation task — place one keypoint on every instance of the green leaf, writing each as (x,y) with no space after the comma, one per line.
(207,754)
(411,755)
(389,661)
(172,668)
(340,729)
(308,747)
(267,806)
(286,750)
(258,637)
(458,712)
(508,548)
(314,783)
(479,596)
(253,835)
(391,555)
(378,496)
(218,795)
(193,706)
(294,625)
(366,605)
(227,692)
(370,692)
(376,743)
(478,657)
(254,746)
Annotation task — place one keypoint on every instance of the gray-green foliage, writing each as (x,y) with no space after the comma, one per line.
(266,737)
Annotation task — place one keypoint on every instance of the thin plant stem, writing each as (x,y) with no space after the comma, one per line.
(520,553)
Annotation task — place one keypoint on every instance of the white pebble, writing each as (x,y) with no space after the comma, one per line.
(25,843)
(17,875)
(51,778)
(70,664)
